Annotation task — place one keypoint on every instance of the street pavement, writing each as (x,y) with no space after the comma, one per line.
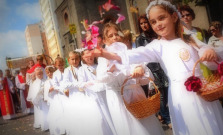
(23,125)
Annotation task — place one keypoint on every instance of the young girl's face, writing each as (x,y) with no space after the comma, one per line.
(60,65)
(39,74)
(162,22)
(88,60)
(49,74)
(112,36)
(74,60)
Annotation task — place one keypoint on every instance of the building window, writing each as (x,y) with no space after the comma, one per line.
(66,19)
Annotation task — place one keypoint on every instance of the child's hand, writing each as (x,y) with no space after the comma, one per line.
(51,89)
(97,52)
(112,69)
(138,72)
(66,92)
(209,55)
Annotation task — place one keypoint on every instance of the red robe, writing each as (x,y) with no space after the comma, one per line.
(32,69)
(25,92)
(6,100)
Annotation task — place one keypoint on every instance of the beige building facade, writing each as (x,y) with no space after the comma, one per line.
(34,39)
(51,28)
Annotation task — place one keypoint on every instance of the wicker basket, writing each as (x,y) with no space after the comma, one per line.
(211,89)
(143,108)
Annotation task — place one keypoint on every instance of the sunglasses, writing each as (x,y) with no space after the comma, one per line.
(186,15)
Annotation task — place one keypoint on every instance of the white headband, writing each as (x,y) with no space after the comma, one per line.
(49,66)
(80,50)
(161,2)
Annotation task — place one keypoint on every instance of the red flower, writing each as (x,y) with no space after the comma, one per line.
(193,83)
(220,68)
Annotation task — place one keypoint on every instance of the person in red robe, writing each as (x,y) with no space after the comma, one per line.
(7,108)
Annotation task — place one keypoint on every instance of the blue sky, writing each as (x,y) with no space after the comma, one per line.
(15,15)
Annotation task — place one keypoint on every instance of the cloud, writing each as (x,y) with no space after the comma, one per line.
(12,44)
(30,11)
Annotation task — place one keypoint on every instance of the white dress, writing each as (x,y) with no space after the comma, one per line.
(95,93)
(40,106)
(73,109)
(190,114)
(124,122)
(57,112)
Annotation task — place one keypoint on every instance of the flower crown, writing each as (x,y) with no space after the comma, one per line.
(161,2)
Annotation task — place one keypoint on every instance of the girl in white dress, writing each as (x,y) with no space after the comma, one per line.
(40,107)
(113,75)
(95,93)
(57,105)
(49,93)
(190,114)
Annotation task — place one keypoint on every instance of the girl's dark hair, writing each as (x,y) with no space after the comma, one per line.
(82,54)
(188,9)
(150,33)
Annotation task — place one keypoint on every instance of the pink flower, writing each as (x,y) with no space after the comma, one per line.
(120,18)
(107,6)
(193,84)
(94,31)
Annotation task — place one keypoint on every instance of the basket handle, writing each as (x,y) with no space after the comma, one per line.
(123,85)
(198,61)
